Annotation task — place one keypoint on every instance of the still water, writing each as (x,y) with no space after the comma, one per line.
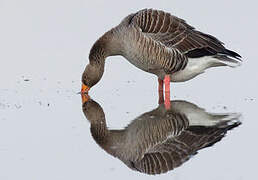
(59,135)
(162,139)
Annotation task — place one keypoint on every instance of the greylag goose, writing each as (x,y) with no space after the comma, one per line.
(160,43)
(160,140)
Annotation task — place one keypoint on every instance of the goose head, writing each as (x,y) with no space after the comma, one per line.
(91,76)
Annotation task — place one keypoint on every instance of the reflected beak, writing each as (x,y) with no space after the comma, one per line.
(85,98)
(85,89)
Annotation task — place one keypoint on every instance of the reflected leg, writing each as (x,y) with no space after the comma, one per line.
(161,97)
(167,91)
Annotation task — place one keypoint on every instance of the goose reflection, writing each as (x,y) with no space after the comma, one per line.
(160,140)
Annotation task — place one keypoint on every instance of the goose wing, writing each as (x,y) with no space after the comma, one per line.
(175,151)
(175,33)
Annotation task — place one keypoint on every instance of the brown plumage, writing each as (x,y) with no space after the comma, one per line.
(159,141)
(160,43)
(176,33)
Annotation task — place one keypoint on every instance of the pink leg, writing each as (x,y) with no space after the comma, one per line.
(167,91)
(161,97)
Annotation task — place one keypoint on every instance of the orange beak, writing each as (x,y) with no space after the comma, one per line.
(85,89)
(85,98)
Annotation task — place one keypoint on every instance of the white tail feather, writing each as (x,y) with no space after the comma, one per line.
(231,62)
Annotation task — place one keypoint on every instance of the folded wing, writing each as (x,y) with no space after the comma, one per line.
(175,33)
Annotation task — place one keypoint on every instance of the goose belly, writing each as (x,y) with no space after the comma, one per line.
(142,63)
(194,67)
(139,64)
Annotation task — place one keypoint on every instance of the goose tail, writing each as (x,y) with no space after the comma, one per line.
(229,58)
